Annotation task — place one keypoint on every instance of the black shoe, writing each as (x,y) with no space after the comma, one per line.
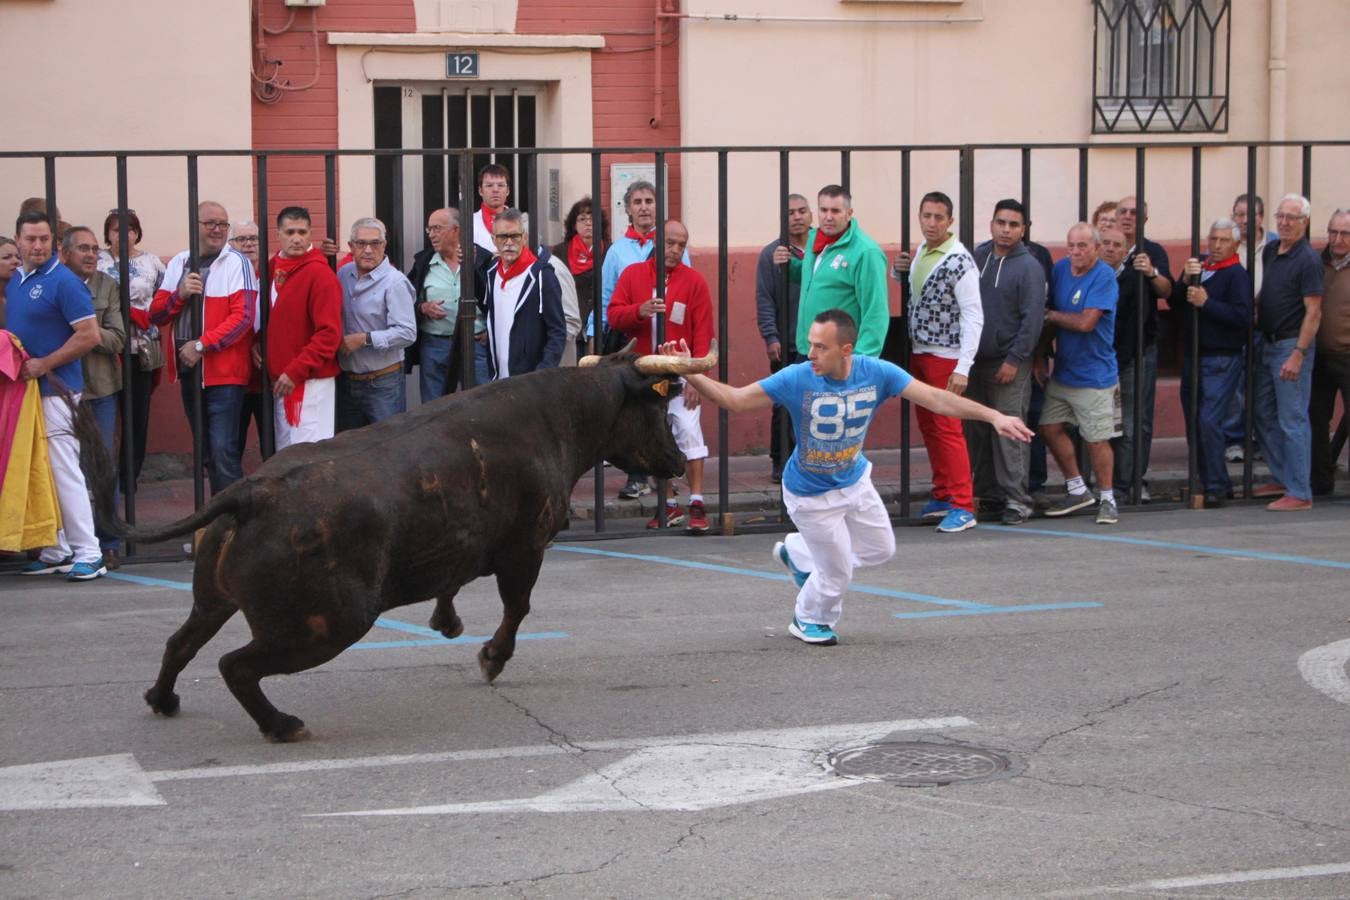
(776,476)
(1214,501)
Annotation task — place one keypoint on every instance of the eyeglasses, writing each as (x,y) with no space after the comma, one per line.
(367,245)
(437,229)
(85,248)
(1289,217)
(1335,234)
(213,224)
(244,239)
(511,237)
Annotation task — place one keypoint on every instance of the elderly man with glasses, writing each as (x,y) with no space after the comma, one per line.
(1288,313)
(211,309)
(523,303)
(377,324)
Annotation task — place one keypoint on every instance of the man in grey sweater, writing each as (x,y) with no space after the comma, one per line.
(1012,294)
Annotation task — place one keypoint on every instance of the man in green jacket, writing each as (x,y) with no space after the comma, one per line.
(843,269)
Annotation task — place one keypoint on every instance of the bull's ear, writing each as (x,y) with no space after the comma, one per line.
(662,387)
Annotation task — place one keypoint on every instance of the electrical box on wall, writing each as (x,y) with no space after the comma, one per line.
(304,2)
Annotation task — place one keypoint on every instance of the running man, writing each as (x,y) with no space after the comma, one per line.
(827,486)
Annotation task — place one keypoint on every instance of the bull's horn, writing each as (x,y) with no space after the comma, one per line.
(587,362)
(677,365)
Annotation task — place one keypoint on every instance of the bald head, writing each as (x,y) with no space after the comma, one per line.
(677,238)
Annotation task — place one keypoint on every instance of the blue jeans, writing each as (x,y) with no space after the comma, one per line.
(480,363)
(220,413)
(1281,412)
(362,403)
(1128,457)
(1219,378)
(435,353)
(105,413)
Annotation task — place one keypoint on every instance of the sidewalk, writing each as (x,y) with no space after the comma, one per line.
(750,489)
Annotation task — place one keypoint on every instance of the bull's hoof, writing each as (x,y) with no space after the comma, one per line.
(162,705)
(491,667)
(451,627)
(287,730)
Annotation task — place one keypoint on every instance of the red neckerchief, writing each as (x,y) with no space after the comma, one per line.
(640,238)
(579,258)
(523,262)
(824,240)
(1211,266)
(488,217)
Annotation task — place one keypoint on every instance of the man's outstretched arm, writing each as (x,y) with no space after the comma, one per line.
(735,399)
(946,403)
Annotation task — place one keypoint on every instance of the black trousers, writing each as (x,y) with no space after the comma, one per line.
(1331,375)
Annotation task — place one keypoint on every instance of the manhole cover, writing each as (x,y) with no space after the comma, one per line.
(920,763)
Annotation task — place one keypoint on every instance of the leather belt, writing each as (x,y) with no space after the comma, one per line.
(371,376)
(1273,336)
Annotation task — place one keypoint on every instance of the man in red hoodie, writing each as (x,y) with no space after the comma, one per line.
(687,305)
(304,331)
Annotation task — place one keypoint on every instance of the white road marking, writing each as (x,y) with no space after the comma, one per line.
(1189,881)
(77,784)
(694,772)
(118,780)
(1324,669)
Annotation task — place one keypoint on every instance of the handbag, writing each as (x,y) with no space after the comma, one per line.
(149,352)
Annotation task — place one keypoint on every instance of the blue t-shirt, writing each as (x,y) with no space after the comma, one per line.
(1085,359)
(831,418)
(41,310)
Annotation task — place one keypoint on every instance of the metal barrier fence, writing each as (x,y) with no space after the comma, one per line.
(463,159)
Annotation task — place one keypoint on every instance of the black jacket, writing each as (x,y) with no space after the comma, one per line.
(1224,318)
(418,276)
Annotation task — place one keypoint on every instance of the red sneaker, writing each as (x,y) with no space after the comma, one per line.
(1289,504)
(674,518)
(698,518)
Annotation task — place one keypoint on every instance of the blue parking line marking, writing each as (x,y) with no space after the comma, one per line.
(956,607)
(1173,545)
(433,638)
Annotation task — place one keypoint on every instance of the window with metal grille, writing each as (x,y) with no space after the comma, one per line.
(1161,65)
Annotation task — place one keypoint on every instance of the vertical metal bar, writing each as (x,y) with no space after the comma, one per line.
(515,144)
(396,228)
(1249,388)
(1144,291)
(659,255)
(723,333)
(1194,492)
(492,125)
(1026,192)
(781,307)
(468,306)
(1307,171)
(532,198)
(128,352)
(195,317)
(1082,184)
(966,210)
(330,212)
(846,170)
(598,238)
(49,178)
(445,145)
(905,350)
(267,444)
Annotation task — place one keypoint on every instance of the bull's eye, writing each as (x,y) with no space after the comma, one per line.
(662,387)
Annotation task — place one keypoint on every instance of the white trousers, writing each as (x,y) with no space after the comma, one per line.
(837,532)
(317,414)
(687,427)
(76,536)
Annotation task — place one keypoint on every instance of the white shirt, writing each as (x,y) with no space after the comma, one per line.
(505,297)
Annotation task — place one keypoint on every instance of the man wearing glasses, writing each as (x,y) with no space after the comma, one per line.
(377,324)
(211,310)
(523,304)
(244,238)
(1288,313)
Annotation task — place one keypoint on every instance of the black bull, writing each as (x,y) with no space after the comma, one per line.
(325,537)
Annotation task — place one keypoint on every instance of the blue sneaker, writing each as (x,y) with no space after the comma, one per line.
(935,509)
(38,567)
(780,553)
(811,633)
(956,520)
(87,571)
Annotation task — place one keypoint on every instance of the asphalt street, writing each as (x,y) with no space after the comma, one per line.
(1170,696)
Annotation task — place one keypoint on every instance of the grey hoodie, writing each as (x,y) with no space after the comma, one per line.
(1012,292)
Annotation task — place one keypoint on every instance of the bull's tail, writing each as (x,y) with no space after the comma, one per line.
(100,475)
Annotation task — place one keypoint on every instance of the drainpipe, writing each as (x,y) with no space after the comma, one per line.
(1279,66)
(659,88)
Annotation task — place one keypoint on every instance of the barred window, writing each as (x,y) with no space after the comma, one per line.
(1161,65)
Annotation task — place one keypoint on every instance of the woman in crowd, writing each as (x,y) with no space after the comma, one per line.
(575,248)
(147,351)
(9,264)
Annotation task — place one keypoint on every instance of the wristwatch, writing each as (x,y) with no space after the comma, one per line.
(198,347)
(1302,350)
